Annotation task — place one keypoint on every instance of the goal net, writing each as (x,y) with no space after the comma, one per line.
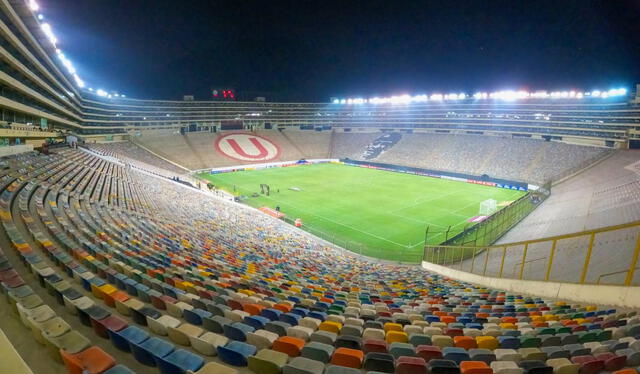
(488,207)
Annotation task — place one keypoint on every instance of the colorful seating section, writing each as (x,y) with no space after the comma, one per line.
(186,283)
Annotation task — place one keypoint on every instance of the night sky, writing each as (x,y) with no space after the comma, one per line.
(313,50)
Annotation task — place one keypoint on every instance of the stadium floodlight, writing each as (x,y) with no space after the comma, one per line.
(343,101)
(40,17)
(436,97)
(33,5)
(46,28)
(596,93)
(336,101)
(101,92)
(122,96)
(79,81)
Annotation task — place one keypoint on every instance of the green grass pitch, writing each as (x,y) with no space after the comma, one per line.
(376,213)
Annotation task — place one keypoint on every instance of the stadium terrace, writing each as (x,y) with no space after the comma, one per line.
(459,233)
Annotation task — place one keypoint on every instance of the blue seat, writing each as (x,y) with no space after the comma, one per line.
(195,316)
(509,342)
(455,354)
(290,318)
(322,316)
(147,352)
(237,331)
(302,312)
(123,339)
(271,314)
(119,369)
(121,280)
(131,287)
(257,322)
(432,319)
(179,362)
(236,353)
(143,292)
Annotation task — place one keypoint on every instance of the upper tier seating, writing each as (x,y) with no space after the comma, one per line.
(178,280)
(528,160)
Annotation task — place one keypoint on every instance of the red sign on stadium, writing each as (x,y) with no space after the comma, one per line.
(247,147)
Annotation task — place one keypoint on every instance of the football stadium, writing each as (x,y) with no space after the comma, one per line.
(467,232)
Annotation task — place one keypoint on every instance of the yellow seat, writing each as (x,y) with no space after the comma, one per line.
(396,336)
(487,342)
(507,326)
(390,326)
(330,326)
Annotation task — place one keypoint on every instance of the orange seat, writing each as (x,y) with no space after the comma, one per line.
(482,315)
(92,360)
(626,371)
(397,336)
(447,319)
(475,367)
(351,358)
(110,299)
(289,345)
(509,319)
(253,309)
(284,308)
(465,342)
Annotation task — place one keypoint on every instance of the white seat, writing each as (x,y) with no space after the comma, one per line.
(208,343)
(160,325)
(300,332)
(261,338)
(183,333)
(175,309)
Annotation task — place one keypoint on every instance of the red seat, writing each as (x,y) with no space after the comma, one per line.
(112,323)
(429,352)
(612,362)
(375,345)
(588,364)
(92,360)
(453,332)
(411,365)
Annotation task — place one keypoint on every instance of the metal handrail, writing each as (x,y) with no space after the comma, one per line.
(614,273)
(557,237)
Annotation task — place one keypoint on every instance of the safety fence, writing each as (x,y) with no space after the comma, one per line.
(607,255)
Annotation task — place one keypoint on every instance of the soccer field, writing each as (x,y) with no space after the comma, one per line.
(377,213)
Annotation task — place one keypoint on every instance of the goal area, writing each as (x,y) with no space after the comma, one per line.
(488,207)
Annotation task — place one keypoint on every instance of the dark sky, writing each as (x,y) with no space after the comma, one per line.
(312,50)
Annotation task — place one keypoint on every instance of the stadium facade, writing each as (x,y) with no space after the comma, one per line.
(39,87)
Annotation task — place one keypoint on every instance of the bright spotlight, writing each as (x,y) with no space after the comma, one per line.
(101,92)
(33,5)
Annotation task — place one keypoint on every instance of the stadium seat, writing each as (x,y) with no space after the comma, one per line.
(236,353)
(92,360)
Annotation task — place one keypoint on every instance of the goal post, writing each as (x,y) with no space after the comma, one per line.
(488,207)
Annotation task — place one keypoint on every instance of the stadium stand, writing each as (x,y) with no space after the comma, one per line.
(133,152)
(141,264)
(107,266)
(528,160)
